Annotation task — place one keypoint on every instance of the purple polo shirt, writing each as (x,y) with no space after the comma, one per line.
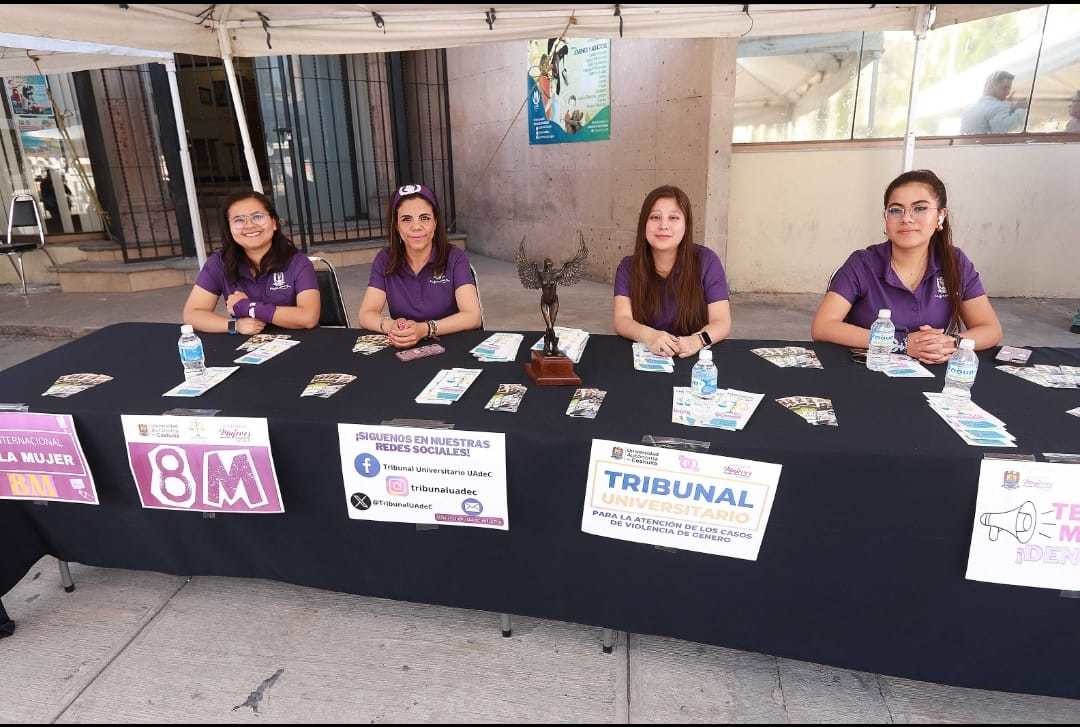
(713,281)
(868,281)
(276,288)
(421,296)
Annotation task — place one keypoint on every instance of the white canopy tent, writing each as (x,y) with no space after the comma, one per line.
(69,37)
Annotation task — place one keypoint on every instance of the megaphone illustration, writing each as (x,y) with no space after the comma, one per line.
(1019,522)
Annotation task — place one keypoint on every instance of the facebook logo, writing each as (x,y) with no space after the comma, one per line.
(366,465)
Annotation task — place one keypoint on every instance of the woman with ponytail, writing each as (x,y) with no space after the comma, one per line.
(671,294)
(931,287)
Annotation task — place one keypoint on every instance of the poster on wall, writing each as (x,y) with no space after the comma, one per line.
(569,95)
(28,95)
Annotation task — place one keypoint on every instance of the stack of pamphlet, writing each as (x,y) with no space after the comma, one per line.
(448,386)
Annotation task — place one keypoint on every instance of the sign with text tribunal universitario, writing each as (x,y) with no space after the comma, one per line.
(568,86)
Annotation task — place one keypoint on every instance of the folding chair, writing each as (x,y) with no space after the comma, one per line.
(23,212)
(333,311)
(476,282)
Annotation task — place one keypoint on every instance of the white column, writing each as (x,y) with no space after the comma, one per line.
(238,108)
(924,18)
(185,164)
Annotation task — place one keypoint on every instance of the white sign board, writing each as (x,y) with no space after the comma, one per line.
(700,502)
(1027,525)
(433,476)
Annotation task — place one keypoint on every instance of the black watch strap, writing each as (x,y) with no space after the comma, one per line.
(232,326)
(705,337)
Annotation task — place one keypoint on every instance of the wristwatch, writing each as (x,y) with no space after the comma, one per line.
(432,329)
(706,340)
(232,326)
(957,339)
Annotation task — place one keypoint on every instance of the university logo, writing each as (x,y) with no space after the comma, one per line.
(439,279)
(1011,480)
(942,292)
(617,452)
(278,282)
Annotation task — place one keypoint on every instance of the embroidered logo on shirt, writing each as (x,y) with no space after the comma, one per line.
(278,282)
(941,290)
(439,279)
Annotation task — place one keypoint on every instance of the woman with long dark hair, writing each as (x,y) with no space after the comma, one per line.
(260,273)
(930,285)
(671,294)
(425,281)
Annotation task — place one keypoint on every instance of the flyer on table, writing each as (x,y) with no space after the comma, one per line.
(424,476)
(203,464)
(687,500)
(1027,525)
(41,459)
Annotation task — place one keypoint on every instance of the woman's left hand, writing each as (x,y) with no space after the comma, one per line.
(689,345)
(234,297)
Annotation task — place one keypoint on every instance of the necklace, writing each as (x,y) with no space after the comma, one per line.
(909,279)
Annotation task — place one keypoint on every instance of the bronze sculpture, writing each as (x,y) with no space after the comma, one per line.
(547,280)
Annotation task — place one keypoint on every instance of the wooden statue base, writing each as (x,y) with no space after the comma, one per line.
(552,370)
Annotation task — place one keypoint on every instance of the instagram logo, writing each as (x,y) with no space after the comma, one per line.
(397,486)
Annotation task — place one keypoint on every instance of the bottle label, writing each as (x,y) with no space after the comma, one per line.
(963,373)
(191,353)
(703,383)
(882,336)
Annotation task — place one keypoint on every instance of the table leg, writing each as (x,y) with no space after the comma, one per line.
(504,624)
(7,626)
(65,577)
(609,640)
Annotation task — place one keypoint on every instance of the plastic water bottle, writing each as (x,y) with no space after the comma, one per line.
(191,353)
(882,341)
(703,376)
(960,376)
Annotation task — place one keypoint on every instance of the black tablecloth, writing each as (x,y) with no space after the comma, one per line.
(862,565)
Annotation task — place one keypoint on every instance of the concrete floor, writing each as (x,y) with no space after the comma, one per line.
(145,647)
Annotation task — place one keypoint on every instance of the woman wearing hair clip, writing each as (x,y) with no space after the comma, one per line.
(260,273)
(426,282)
(928,284)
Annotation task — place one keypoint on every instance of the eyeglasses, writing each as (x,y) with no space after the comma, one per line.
(896,213)
(255,218)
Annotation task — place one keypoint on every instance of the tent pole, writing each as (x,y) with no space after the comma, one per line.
(238,108)
(185,164)
(924,18)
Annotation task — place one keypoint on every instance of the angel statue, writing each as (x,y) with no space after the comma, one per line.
(546,279)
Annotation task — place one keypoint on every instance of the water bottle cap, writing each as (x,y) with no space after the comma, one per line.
(968,344)
(884,313)
(705,355)
(186,329)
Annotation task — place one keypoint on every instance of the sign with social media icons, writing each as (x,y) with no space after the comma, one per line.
(424,476)
(674,499)
(203,464)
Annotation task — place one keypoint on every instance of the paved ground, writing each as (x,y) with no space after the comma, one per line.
(146,647)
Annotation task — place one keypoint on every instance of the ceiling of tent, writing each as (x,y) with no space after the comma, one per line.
(273,29)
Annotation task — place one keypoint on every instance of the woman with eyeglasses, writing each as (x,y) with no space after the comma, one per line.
(261,275)
(671,294)
(425,281)
(930,286)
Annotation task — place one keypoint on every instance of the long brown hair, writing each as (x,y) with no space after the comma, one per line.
(941,242)
(232,254)
(440,243)
(648,289)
